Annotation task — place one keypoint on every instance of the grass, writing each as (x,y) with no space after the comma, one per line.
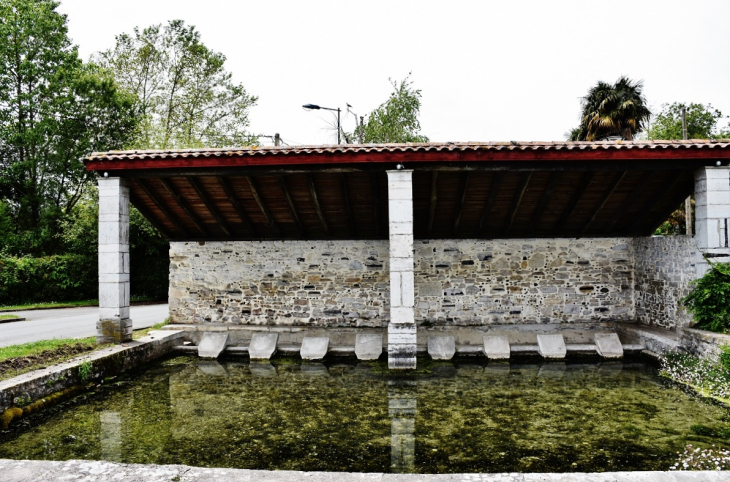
(65,304)
(142,333)
(36,347)
(8,317)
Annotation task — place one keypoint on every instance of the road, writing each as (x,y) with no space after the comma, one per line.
(71,323)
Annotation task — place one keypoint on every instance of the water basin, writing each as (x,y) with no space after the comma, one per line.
(358,417)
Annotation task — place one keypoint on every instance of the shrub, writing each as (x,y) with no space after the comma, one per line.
(709,300)
(52,278)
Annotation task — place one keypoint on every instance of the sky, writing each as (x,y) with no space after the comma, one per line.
(510,70)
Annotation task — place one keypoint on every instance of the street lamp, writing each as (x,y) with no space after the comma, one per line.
(316,107)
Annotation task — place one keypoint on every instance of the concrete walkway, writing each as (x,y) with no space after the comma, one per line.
(71,323)
(89,471)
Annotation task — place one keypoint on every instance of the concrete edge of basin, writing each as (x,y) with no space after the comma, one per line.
(31,387)
(93,471)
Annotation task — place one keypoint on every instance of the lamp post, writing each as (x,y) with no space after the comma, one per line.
(316,107)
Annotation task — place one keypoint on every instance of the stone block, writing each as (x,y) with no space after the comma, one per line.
(263,346)
(402,315)
(551,346)
(608,345)
(496,347)
(212,344)
(400,211)
(314,347)
(368,347)
(401,245)
(441,347)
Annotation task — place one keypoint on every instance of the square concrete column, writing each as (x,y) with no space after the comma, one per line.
(402,327)
(114,325)
(712,215)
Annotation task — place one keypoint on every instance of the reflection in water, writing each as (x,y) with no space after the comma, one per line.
(402,408)
(111,436)
(444,418)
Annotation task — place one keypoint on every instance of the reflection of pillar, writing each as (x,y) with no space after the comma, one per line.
(111,436)
(402,326)
(402,404)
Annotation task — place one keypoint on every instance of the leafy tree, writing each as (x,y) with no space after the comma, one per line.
(54,110)
(186,97)
(612,109)
(395,120)
(702,122)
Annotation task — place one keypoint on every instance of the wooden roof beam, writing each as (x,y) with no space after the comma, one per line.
(255,193)
(496,180)
(544,200)
(517,201)
(295,215)
(209,204)
(184,206)
(376,202)
(317,207)
(629,201)
(158,202)
(656,197)
(460,205)
(434,200)
(606,195)
(233,199)
(585,181)
(137,202)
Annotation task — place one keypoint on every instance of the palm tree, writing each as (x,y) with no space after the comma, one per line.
(612,110)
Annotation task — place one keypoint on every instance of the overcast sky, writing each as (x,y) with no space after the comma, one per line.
(488,70)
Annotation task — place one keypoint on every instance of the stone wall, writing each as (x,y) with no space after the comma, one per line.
(664,266)
(457,282)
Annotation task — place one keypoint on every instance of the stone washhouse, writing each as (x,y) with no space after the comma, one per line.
(492,249)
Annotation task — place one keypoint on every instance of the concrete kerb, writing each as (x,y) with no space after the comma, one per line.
(10,320)
(98,471)
(36,385)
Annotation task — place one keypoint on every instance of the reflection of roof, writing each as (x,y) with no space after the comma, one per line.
(460,190)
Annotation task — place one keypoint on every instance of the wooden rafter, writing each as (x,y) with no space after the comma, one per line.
(163,209)
(585,181)
(137,202)
(629,201)
(434,201)
(184,206)
(656,197)
(295,215)
(348,209)
(209,205)
(609,192)
(460,205)
(255,193)
(544,200)
(496,180)
(233,199)
(516,202)
(317,207)
(376,202)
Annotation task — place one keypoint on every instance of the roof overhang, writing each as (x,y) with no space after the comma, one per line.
(461,190)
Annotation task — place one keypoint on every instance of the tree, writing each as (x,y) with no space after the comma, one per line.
(612,109)
(702,122)
(186,97)
(395,120)
(54,110)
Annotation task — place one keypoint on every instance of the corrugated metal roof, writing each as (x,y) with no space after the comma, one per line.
(410,147)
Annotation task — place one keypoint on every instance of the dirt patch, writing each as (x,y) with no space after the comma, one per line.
(44,358)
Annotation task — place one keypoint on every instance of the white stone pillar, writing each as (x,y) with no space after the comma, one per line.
(114,325)
(712,215)
(402,327)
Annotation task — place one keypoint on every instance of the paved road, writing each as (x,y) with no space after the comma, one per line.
(70,323)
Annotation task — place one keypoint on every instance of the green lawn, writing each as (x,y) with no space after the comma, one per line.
(36,347)
(142,333)
(7,317)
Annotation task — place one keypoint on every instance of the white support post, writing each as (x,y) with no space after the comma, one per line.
(712,215)
(114,325)
(402,327)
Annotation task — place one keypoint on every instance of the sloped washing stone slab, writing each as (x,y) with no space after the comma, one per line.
(263,346)
(368,347)
(441,347)
(551,346)
(314,347)
(496,347)
(608,345)
(212,344)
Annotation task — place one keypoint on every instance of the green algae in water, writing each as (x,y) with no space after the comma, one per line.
(449,418)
